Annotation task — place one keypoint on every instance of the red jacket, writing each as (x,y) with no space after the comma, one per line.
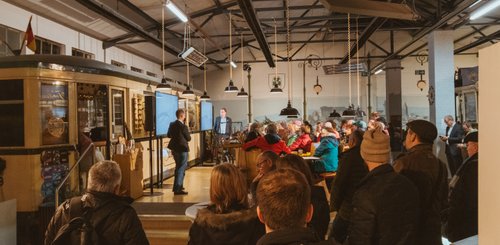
(268,143)
(303,142)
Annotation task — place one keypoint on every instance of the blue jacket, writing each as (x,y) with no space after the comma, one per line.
(328,151)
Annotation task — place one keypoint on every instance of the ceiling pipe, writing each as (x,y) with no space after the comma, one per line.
(249,14)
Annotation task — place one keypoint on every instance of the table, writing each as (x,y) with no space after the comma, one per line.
(192,210)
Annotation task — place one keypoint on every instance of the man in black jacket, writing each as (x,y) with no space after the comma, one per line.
(284,206)
(385,206)
(454,136)
(429,175)
(179,137)
(118,222)
(462,215)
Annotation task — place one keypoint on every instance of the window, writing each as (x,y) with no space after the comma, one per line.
(136,69)
(10,40)
(151,74)
(44,46)
(83,54)
(12,111)
(119,64)
(54,112)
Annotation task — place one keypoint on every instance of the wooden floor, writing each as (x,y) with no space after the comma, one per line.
(196,182)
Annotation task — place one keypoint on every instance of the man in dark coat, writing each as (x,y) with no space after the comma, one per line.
(284,206)
(454,136)
(179,136)
(118,226)
(462,219)
(385,206)
(428,174)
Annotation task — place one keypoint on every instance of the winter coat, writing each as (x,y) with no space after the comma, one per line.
(268,142)
(463,212)
(251,136)
(295,236)
(302,142)
(321,215)
(120,227)
(385,209)
(352,169)
(430,176)
(237,227)
(328,151)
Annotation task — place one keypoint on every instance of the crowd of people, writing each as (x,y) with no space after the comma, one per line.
(376,198)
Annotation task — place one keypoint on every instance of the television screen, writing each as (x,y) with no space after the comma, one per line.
(166,106)
(206,116)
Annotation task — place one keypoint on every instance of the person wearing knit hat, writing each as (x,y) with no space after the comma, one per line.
(385,205)
(376,147)
(429,174)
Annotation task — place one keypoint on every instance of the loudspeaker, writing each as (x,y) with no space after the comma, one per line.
(149,124)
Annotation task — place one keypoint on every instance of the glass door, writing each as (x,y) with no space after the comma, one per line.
(117,114)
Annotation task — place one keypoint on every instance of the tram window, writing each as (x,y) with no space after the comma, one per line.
(54,112)
(12,111)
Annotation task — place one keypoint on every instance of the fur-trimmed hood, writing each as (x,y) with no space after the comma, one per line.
(207,218)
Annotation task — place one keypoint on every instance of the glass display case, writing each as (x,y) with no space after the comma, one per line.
(54,112)
(92,110)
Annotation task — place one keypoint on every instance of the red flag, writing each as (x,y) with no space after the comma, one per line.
(30,38)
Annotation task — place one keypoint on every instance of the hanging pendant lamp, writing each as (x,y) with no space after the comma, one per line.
(163,86)
(205,94)
(288,110)
(276,83)
(242,93)
(350,110)
(359,112)
(230,87)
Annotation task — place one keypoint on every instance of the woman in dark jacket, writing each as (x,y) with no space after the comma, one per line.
(351,170)
(254,132)
(321,214)
(227,220)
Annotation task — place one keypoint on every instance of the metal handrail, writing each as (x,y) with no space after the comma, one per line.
(91,146)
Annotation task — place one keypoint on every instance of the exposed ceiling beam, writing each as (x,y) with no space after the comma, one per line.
(252,21)
(375,24)
(478,42)
(371,8)
(126,24)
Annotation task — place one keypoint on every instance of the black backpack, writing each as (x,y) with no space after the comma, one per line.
(80,230)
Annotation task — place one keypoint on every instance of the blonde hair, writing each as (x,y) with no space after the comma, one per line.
(228,187)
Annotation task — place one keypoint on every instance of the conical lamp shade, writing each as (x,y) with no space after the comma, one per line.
(164,86)
(231,88)
(242,93)
(188,92)
(205,96)
(289,110)
(276,90)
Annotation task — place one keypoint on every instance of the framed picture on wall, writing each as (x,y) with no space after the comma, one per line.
(276,80)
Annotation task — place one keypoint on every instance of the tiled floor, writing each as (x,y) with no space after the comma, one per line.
(196,182)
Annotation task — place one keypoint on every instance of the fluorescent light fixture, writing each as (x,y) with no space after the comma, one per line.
(171,6)
(378,71)
(474,4)
(233,64)
(484,9)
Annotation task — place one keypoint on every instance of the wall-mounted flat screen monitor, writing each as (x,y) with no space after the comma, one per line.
(166,106)
(206,115)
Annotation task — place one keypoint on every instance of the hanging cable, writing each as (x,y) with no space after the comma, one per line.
(349,54)
(204,67)
(275,49)
(290,82)
(230,49)
(357,59)
(242,70)
(163,41)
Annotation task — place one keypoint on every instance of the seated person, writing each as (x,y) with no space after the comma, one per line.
(254,132)
(303,141)
(321,217)
(228,217)
(285,208)
(266,162)
(269,142)
(328,150)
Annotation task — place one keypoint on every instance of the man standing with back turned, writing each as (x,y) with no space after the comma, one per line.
(179,137)
(429,175)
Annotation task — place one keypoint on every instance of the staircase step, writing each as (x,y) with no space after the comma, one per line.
(167,237)
(165,222)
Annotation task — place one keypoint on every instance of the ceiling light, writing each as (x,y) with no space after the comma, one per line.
(188,92)
(171,6)
(164,86)
(484,9)
(205,96)
(194,57)
(233,64)
(242,93)
(276,89)
(289,110)
(231,88)
(378,71)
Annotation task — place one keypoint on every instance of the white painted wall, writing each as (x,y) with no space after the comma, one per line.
(489,199)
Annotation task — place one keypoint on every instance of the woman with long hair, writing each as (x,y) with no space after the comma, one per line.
(228,217)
